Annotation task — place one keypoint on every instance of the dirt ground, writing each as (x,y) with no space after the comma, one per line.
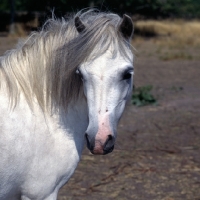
(157,154)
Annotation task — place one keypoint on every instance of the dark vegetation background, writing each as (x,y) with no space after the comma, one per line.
(26,10)
(152,8)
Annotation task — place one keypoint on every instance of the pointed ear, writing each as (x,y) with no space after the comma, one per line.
(80,27)
(126,27)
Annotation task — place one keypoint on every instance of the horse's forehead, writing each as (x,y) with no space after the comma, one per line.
(107,63)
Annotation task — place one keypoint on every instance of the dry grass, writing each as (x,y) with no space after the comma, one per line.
(176,56)
(177,32)
(168,40)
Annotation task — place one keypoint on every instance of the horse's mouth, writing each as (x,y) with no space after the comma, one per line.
(96,151)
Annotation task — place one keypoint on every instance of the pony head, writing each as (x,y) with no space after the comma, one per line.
(107,79)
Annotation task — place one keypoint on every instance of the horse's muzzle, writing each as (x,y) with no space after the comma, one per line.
(98,147)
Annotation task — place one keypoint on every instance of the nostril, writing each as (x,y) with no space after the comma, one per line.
(109,142)
(109,137)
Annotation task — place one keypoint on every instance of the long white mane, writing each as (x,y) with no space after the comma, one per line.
(43,66)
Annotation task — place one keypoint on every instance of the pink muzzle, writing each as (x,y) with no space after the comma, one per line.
(104,140)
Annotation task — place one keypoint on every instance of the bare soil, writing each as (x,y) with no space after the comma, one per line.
(157,154)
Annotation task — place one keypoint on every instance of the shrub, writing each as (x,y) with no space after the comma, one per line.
(142,96)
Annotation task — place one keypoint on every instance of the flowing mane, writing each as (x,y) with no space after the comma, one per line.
(43,66)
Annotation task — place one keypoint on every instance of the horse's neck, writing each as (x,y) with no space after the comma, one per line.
(75,122)
(72,123)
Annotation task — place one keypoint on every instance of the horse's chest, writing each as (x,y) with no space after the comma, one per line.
(51,167)
(42,170)
(36,153)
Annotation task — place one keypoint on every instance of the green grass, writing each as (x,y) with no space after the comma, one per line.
(142,96)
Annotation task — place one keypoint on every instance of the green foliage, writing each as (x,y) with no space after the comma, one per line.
(44,5)
(180,8)
(149,8)
(155,8)
(4,5)
(142,96)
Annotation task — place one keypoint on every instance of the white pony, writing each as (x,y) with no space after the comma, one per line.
(63,85)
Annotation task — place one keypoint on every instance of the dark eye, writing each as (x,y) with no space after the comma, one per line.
(127,75)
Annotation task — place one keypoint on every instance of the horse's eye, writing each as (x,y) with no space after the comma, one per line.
(127,75)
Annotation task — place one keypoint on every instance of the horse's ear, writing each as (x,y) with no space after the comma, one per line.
(126,27)
(80,27)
